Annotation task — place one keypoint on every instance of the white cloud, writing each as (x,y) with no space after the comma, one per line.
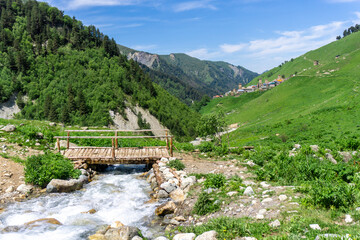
(76,4)
(231,48)
(186,6)
(203,53)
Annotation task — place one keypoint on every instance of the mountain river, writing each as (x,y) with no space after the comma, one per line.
(117,195)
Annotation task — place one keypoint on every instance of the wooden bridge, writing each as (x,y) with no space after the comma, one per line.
(115,154)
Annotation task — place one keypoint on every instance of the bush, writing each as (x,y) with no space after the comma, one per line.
(329,194)
(206,204)
(41,169)
(206,147)
(177,164)
(214,181)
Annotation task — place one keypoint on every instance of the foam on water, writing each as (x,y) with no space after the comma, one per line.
(116,196)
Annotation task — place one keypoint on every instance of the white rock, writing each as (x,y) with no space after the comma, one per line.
(24,189)
(10,189)
(282,197)
(184,236)
(315,227)
(162,164)
(230,194)
(136,238)
(247,238)
(172,158)
(211,235)
(314,148)
(250,163)
(266,200)
(348,218)
(186,182)
(259,216)
(358,209)
(249,191)
(262,211)
(275,223)
(168,187)
(161,238)
(162,194)
(178,195)
(9,128)
(248,183)
(165,160)
(264,185)
(327,235)
(297,146)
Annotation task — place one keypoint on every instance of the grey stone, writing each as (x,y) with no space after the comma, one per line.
(297,146)
(346,156)
(266,200)
(24,189)
(168,187)
(330,158)
(136,238)
(162,194)
(275,224)
(282,197)
(184,236)
(211,235)
(249,191)
(230,194)
(165,208)
(314,148)
(174,222)
(186,182)
(161,238)
(9,128)
(59,185)
(122,233)
(10,189)
(178,195)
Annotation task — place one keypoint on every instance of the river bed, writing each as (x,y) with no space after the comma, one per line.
(116,195)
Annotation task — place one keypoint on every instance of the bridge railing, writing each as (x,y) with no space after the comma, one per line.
(168,138)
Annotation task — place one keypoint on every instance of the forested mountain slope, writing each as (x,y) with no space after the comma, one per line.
(64,71)
(192,75)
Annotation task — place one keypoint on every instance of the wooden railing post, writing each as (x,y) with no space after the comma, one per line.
(58,143)
(167,140)
(68,140)
(113,150)
(171,147)
(116,139)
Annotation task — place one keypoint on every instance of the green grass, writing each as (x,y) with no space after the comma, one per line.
(312,107)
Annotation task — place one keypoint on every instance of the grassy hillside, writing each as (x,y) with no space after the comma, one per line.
(189,78)
(317,106)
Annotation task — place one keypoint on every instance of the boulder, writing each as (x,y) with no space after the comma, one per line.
(122,233)
(314,148)
(177,195)
(24,189)
(275,224)
(330,158)
(9,128)
(184,236)
(185,182)
(136,238)
(42,221)
(249,191)
(59,185)
(162,194)
(346,156)
(168,187)
(165,208)
(211,235)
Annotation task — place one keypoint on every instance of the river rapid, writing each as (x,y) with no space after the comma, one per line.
(117,195)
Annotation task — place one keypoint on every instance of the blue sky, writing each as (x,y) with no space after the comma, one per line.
(256,34)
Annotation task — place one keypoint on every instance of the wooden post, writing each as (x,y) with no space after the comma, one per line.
(171,146)
(58,144)
(113,150)
(68,140)
(116,139)
(167,140)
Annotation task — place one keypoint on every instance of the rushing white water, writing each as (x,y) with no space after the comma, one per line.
(116,195)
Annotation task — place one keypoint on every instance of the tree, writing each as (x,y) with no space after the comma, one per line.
(338,37)
(211,125)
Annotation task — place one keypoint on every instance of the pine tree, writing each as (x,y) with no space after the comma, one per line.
(47,105)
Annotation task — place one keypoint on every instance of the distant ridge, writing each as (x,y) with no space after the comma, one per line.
(189,78)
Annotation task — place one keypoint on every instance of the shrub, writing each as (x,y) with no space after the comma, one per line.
(206,147)
(41,169)
(222,150)
(206,204)
(332,194)
(214,181)
(177,164)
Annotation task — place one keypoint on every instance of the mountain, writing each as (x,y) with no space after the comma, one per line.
(64,71)
(317,104)
(189,78)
